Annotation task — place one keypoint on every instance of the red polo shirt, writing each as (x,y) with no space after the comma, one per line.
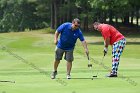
(111,32)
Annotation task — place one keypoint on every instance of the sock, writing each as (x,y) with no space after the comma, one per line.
(114,67)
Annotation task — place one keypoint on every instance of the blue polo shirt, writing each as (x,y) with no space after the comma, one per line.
(68,37)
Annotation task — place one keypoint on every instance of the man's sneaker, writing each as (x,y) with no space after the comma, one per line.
(112,75)
(53,75)
(68,77)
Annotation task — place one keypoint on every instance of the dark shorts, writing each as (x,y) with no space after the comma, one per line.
(68,54)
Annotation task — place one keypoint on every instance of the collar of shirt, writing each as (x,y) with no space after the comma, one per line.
(70,26)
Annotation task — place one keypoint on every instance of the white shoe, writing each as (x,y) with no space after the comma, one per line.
(53,75)
(68,77)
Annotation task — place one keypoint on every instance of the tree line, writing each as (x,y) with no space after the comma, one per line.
(18,15)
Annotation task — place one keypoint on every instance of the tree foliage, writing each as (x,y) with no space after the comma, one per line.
(18,15)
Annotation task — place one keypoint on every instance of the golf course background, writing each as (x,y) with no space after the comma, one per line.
(27,58)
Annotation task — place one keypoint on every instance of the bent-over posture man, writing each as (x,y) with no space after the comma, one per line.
(112,37)
(69,33)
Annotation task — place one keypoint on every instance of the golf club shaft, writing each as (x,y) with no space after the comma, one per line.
(88,58)
(88,61)
(87,55)
(101,63)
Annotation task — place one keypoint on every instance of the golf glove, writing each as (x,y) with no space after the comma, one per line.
(105,50)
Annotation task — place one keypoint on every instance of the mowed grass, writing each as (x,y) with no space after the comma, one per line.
(27,58)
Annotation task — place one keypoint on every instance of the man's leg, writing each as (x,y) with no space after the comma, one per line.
(69,66)
(116,53)
(56,63)
(58,56)
(54,73)
(69,58)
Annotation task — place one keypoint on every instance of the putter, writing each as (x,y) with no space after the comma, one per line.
(89,64)
(7,81)
(98,70)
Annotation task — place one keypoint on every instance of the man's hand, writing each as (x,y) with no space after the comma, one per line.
(55,42)
(105,50)
(106,43)
(85,47)
(56,37)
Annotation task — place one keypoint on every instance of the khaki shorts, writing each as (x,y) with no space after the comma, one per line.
(59,54)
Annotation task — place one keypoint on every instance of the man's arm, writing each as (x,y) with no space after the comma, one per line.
(85,46)
(106,43)
(56,37)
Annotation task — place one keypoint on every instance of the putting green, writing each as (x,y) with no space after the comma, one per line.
(27,58)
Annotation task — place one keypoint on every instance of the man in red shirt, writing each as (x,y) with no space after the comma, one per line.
(114,38)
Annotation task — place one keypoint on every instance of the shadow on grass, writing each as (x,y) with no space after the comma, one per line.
(83,78)
(130,77)
(86,78)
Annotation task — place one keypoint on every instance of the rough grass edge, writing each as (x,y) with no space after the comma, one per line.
(48,30)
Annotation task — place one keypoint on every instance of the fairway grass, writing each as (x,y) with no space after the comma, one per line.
(27,58)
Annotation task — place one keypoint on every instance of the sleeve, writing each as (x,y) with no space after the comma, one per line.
(105,33)
(81,37)
(60,28)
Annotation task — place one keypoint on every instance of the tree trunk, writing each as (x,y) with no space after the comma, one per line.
(55,13)
(137,16)
(132,17)
(126,19)
(69,11)
(61,17)
(52,15)
(86,23)
(116,21)
(104,17)
(110,17)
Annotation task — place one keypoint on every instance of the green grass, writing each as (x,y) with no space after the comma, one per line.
(27,58)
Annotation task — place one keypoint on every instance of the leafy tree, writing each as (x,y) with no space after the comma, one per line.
(18,15)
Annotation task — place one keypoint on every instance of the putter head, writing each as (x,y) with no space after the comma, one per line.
(95,76)
(89,65)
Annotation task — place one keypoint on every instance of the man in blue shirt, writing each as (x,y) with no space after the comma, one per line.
(69,33)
